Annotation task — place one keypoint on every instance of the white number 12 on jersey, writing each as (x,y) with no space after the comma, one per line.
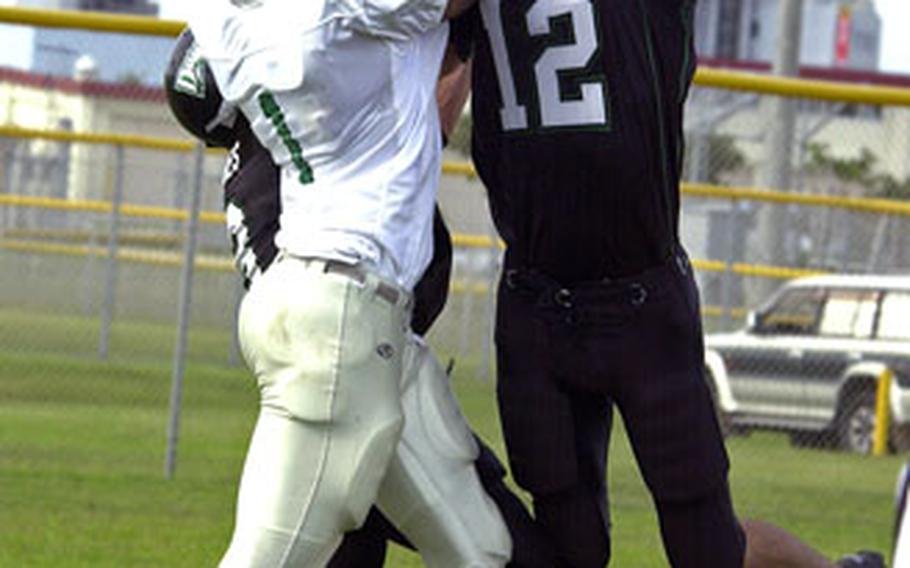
(588,110)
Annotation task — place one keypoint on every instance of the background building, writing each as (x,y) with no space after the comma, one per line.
(835,33)
(125,6)
(107,57)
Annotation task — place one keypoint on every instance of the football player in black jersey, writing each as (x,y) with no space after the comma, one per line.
(577,135)
(252,205)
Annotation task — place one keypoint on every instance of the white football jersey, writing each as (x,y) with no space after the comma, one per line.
(342,93)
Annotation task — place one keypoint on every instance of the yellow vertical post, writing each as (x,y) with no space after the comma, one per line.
(882,414)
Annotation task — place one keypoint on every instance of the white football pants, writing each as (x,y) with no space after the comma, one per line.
(431,491)
(329,356)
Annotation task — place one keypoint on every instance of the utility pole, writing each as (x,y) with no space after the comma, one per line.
(778,155)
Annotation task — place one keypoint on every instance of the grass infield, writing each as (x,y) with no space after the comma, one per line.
(82,455)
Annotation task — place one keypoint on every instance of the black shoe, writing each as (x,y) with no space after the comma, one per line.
(862,559)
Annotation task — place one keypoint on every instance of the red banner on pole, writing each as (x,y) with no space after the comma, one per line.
(842,41)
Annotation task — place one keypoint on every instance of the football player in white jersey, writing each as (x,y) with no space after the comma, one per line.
(342,95)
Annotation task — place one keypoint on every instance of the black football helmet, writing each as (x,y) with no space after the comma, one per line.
(193,95)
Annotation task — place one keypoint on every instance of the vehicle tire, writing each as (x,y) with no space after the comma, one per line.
(856,423)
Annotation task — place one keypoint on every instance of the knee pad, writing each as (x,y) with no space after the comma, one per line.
(431,491)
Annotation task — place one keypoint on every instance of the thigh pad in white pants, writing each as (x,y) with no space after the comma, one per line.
(327,355)
(431,491)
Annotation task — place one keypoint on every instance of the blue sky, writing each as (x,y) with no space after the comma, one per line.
(895,16)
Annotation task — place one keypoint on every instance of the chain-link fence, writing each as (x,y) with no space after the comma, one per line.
(89,128)
(835,208)
(96,181)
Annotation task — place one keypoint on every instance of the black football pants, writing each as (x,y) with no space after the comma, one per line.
(565,356)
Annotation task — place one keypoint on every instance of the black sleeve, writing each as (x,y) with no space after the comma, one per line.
(462,30)
(432,290)
(251,184)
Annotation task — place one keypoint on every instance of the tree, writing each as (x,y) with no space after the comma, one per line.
(850,170)
(888,187)
(860,171)
(709,156)
(723,156)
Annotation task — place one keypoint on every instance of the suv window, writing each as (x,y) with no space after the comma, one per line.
(849,313)
(795,312)
(892,323)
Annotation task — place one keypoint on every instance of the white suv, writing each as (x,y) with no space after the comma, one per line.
(809,361)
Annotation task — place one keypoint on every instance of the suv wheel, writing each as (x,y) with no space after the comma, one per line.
(856,424)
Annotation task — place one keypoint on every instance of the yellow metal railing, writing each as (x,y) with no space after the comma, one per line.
(705,77)
(130,140)
(860,204)
(802,88)
(92,21)
(126,210)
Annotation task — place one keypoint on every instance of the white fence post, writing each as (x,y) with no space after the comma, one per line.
(108,304)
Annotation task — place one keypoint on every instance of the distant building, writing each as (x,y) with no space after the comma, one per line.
(123,6)
(835,33)
(118,57)
(32,100)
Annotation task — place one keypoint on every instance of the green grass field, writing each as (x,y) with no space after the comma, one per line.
(82,451)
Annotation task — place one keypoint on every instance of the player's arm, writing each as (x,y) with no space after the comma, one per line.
(454,84)
(405,19)
(452,90)
(455,8)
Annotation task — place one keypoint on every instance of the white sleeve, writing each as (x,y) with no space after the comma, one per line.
(251,47)
(398,19)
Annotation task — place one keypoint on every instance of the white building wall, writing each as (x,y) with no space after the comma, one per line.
(150,173)
(887,137)
(758,31)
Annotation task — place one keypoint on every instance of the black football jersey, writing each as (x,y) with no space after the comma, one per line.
(577,128)
(252,203)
